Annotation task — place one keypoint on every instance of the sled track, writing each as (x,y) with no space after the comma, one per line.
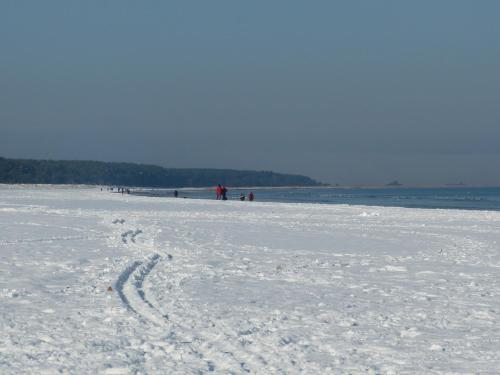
(122,279)
(129,287)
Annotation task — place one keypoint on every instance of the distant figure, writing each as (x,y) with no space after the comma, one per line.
(250,197)
(224,193)
(176,193)
(218,192)
(242,197)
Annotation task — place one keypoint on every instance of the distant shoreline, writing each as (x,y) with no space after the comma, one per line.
(205,188)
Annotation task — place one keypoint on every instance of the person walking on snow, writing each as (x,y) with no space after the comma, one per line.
(218,192)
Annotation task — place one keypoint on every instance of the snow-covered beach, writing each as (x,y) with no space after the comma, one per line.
(95,282)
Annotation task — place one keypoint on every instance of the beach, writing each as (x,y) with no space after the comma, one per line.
(99,282)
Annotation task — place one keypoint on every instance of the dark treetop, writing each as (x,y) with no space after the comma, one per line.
(129,174)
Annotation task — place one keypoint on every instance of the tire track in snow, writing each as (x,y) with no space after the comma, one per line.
(129,287)
(139,282)
(120,283)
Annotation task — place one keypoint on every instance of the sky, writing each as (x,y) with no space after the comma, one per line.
(347,92)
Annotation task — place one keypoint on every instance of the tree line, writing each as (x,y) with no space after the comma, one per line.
(25,171)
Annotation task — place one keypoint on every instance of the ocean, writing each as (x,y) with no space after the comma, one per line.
(468,198)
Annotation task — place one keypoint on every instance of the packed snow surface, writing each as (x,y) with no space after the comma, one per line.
(99,282)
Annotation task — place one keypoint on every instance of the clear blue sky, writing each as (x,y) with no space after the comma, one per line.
(343,91)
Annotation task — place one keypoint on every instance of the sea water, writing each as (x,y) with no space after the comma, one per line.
(471,198)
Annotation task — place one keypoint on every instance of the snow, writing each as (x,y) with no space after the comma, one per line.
(96,282)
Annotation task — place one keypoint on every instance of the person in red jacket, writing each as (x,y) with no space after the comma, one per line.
(250,197)
(218,192)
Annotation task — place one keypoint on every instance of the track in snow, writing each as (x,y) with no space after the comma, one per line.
(130,289)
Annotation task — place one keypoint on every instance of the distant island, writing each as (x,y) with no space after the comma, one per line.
(27,171)
(394,183)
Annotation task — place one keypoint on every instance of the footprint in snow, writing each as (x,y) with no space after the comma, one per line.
(130,234)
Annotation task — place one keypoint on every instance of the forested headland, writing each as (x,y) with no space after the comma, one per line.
(26,171)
